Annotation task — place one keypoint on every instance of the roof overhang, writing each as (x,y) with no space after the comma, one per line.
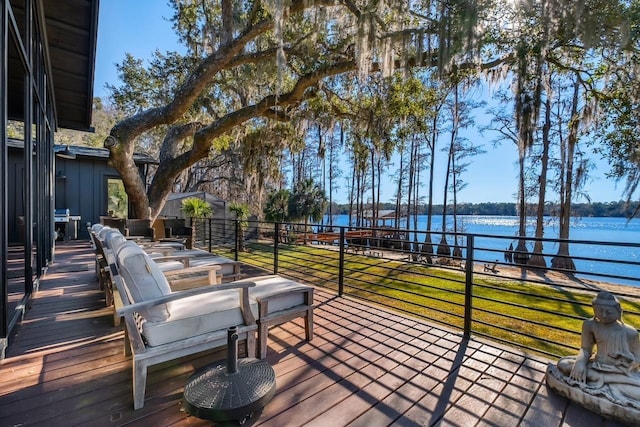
(77,151)
(70,31)
(81,152)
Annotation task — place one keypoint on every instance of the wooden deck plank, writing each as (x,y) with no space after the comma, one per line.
(366,366)
(385,381)
(546,408)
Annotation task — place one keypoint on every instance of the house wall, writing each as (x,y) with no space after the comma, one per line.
(81,187)
(78,189)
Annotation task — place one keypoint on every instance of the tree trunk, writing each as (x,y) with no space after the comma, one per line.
(443,247)
(374,216)
(562,260)
(399,188)
(521,254)
(193,233)
(427,246)
(537,258)
(352,190)
(406,245)
(331,166)
(414,185)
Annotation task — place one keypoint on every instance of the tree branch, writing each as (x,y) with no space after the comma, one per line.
(126,130)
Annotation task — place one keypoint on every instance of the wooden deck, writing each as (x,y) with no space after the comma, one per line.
(366,367)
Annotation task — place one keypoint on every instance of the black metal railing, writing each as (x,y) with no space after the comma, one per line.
(469,282)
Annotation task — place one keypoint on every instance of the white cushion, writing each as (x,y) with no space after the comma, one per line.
(194,316)
(103,232)
(217,311)
(116,241)
(143,280)
(96,227)
(270,285)
(113,239)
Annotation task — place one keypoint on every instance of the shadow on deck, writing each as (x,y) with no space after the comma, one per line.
(365,367)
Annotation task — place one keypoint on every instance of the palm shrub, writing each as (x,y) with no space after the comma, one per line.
(308,202)
(242,214)
(195,208)
(277,209)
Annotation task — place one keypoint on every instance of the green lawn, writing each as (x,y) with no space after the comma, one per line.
(537,317)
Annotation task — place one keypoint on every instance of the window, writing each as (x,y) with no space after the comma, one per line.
(117,199)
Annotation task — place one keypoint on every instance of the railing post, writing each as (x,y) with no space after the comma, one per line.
(468,289)
(341,263)
(237,227)
(276,240)
(210,235)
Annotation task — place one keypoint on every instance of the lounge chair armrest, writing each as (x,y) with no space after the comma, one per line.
(158,251)
(181,295)
(172,258)
(110,257)
(275,295)
(161,245)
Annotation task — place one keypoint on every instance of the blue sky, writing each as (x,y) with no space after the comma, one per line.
(139,27)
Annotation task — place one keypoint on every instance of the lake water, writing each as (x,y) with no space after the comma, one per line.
(591,258)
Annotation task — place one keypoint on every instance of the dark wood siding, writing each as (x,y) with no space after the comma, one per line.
(83,189)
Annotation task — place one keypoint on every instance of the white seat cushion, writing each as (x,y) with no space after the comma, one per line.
(143,280)
(271,285)
(194,316)
(194,253)
(201,314)
(114,240)
(103,232)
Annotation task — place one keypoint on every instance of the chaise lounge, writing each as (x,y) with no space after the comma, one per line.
(162,325)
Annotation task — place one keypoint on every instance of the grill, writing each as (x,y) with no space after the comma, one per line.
(61,215)
(66,224)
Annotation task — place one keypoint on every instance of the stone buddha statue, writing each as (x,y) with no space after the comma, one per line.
(612,373)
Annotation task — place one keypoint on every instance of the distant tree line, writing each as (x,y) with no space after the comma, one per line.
(620,209)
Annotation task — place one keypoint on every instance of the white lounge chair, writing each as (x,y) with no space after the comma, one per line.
(163,325)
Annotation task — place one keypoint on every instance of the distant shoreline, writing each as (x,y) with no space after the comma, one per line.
(614,209)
